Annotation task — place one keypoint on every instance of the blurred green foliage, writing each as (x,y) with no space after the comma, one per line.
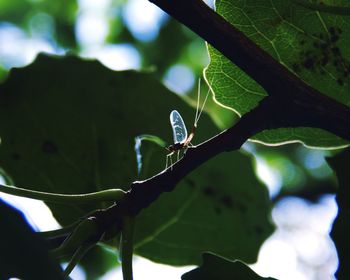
(174,44)
(55,21)
(63,13)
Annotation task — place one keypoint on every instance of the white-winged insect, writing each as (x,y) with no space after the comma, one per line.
(182,140)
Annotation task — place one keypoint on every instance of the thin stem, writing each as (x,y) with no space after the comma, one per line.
(105,195)
(126,247)
(78,255)
(67,229)
(83,232)
(321,7)
(58,232)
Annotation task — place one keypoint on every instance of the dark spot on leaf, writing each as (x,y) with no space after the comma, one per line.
(334,38)
(308,63)
(319,53)
(323,46)
(242,207)
(209,191)
(324,60)
(190,183)
(335,30)
(296,67)
(340,82)
(217,210)
(49,147)
(274,22)
(16,156)
(336,51)
(227,201)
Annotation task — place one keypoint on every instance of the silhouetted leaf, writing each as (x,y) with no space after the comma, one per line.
(98,260)
(219,207)
(341,228)
(217,268)
(22,253)
(69,126)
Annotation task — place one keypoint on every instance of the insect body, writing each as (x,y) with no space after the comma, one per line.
(180,132)
(181,139)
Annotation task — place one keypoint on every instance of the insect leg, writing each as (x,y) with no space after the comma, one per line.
(169,159)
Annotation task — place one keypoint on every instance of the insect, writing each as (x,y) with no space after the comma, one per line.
(181,139)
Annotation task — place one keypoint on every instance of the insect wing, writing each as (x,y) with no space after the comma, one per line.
(179,128)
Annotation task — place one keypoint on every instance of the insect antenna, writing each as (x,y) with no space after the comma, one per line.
(198,99)
(199,112)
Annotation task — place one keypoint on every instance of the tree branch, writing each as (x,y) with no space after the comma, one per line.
(314,109)
(291,103)
(144,193)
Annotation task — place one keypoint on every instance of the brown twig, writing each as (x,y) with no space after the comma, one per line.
(144,193)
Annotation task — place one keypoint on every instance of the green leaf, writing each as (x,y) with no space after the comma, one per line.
(99,260)
(69,125)
(219,207)
(217,268)
(341,228)
(22,253)
(310,137)
(311,44)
